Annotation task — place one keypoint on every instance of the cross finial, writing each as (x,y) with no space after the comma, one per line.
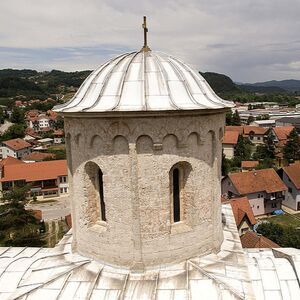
(145,47)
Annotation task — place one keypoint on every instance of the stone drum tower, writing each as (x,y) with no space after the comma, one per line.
(143,137)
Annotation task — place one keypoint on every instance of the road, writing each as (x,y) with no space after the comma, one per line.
(5,126)
(59,208)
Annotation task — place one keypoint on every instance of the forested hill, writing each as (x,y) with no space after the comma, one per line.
(220,83)
(30,84)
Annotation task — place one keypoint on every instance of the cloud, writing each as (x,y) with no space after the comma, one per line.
(250,40)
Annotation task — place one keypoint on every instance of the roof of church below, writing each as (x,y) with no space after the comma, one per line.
(144,81)
(232,273)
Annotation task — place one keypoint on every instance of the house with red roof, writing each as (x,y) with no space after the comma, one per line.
(229,142)
(243,214)
(15,148)
(249,165)
(46,178)
(255,134)
(254,240)
(281,134)
(291,177)
(264,189)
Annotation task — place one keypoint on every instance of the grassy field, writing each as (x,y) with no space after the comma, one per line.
(285,220)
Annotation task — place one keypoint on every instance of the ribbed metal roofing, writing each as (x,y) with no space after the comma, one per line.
(144,81)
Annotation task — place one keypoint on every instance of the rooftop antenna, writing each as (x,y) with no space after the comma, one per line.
(145,47)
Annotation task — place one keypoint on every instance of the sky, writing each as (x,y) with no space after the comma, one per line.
(248,40)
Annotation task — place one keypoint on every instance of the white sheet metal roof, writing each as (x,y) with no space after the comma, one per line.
(144,81)
(232,273)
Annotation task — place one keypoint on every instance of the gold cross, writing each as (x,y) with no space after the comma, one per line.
(144,25)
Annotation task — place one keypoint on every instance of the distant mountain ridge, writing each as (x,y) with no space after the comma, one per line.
(289,85)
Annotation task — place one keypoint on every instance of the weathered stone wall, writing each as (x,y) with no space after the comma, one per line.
(136,155)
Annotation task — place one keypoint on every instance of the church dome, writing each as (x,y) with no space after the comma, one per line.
(144,81)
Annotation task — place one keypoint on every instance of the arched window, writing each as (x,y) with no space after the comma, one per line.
(176,196)
(179,174)
(101,194)
(95,193)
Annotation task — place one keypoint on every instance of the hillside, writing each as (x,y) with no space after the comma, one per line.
(220,83)
(290,85)
(30,84)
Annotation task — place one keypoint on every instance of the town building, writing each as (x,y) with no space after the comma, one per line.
(254,240)
(255,134)
(59,136)
(281,134)
(291,177)
(37,156)
(229,142)
(46,179)
(16,148)
(243,214)
(249,165)
(264,189)
(289,121)
(264,123)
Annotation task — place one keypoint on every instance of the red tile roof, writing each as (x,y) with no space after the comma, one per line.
(16,144)
(253,240)
(241,208)
(255,130)
(230,137)
(257,181)
(293,171)
(282,132)
(38,156)
(58,132)
(239,129)
(9,161)
(35,171)
(249,163)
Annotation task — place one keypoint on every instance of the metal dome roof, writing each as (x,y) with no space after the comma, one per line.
(144,81)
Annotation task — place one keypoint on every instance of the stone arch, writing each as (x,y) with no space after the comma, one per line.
(144,144)
(179,194)
(96,141)
(221,133)
(193,140)
(69,151)
(120,145)
(212,138)
(94,194)
(118,129)
(77,138)
(170,143)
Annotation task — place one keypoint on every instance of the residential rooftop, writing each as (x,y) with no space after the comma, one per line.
(257,181)
(35,171)
(16,144)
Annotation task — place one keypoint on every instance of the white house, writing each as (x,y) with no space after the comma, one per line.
(229,142)
(291,177)
(264,189)
(15,148)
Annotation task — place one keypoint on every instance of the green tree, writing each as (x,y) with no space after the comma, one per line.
(13,132)
(229,118)
(291,150)
(17,115)
(284,236)
(18,226)
(59,123)
(272,231)
(250,120)
(1,116)
(236,120)
(243,149)
(267,150)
